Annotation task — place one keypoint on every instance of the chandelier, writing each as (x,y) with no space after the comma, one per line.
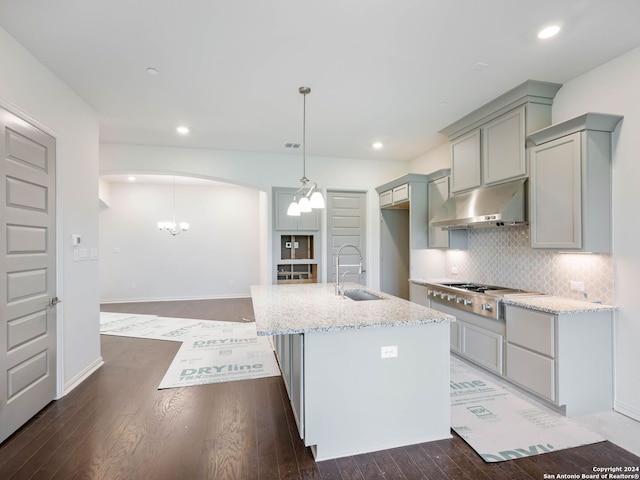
(172,227)
(308,195)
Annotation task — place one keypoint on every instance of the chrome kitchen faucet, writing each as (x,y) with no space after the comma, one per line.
(339,286)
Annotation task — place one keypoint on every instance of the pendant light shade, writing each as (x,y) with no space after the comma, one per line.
(316,200)
(293,210)
(172,227)
(308,196)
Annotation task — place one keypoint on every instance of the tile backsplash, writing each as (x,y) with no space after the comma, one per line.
(503,256)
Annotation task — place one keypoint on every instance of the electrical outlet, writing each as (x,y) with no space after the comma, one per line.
(454,270)
(390,351)
(577,286)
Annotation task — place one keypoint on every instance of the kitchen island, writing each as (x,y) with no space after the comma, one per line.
(362,376)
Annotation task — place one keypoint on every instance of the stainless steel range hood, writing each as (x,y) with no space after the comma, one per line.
(495,205)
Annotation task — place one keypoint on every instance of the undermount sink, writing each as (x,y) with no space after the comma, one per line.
(360,295)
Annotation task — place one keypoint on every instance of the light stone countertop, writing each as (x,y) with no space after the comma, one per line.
(309,307)
(557,305)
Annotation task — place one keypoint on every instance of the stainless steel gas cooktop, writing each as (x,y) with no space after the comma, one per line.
(480,299)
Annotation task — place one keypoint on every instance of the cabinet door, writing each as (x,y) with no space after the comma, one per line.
(306,221)
(438,192)
(465,162)
(309,220)
(297,380)
(401,193)
(282,220)
(454,336)
(556,194)
(503,148)
(386,198)
(482,346)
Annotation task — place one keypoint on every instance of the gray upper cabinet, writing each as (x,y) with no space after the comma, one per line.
(309,221)
(503,148)
(488,146)
(465,162)
(396,197)
(437,194)
(570,185)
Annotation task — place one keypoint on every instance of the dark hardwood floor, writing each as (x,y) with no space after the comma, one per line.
(118,425)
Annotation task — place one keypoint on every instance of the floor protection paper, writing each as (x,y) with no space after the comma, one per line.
(501,426)
(150,326)
(215,353)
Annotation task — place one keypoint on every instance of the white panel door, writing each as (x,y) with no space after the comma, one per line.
(346,223)
(27,272)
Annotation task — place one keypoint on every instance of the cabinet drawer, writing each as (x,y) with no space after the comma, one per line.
(532,330)
(532,371)
(386,198)
(401,193)
(482,346)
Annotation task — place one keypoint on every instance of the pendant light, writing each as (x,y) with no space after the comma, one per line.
(308,196)
(172,227)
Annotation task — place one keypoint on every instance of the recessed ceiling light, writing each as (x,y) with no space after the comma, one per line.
(443,104)
(152,71)
(548,32)
(480,66)
(131,179)
(182,130)
(377,145)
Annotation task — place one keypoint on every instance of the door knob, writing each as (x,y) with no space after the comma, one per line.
(54,301)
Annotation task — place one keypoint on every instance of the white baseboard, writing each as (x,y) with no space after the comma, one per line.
(628,410)
(173,299)
(82,376)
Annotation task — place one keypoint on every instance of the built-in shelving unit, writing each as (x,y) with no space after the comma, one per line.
(294,265)
(297,246)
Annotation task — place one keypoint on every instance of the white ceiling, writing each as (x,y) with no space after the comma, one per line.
(378,69)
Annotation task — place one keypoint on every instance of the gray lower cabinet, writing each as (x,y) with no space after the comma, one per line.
(418,294)
(566,359)
(570,184)
(290,354)
(476,338)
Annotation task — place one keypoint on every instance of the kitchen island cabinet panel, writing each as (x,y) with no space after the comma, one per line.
(361,376)
(356,401)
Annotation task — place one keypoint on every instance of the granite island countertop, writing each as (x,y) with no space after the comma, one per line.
(309,307)
(557,305)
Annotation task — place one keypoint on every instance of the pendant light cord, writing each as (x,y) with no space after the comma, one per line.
(304,91)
